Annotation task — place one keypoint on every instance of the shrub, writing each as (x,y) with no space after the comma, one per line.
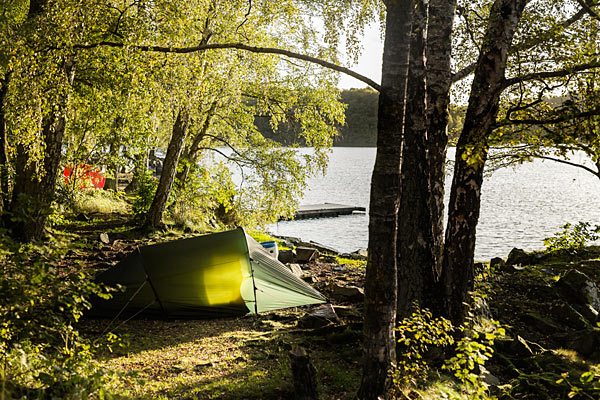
(144,195)
(42,354)
(573,238)
(416,335)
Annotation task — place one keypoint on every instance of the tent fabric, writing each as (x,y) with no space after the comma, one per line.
(223,274)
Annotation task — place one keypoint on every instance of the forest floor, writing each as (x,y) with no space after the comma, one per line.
(548,338)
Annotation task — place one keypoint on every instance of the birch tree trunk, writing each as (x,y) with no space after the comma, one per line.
(438,52)
(190,154)
(381,280)
(415,250)
(471,154)
(165,184)
(4,162)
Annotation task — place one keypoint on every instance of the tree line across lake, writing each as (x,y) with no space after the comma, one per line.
(360,126)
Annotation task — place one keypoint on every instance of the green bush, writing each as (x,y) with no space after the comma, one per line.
(573,238)
(41,351)
(416,335)
(144,195)
(420,333)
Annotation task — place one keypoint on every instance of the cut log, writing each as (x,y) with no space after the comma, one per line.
(303,374)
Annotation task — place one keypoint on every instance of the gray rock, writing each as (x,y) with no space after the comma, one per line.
(359,254)
(489,379)
(349,293)
(512,347)
(296,269)
(286,256)
(306,254)
(586,342)
(566,315)
(497,263)
(540,323)
(319,317)
(520,257)
(583,294)
(323,248)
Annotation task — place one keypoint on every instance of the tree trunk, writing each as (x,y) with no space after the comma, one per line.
(34,188)
(381,279)
(159,204)
(415,257)
(4,162)
(439,79)
(471,154)
(113,153)
(190,155)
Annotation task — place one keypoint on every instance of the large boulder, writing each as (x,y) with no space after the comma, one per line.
(581,292)
(306,254)
(346,293)
(319,317)
(521,257)
(286,256)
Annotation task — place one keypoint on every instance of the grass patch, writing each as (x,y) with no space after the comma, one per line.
(352,262)
(101,202)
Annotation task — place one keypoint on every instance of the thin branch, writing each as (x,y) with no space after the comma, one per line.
(588,8)
(525,45)
(560,160)
(552,74)
(557,120)
(237,46)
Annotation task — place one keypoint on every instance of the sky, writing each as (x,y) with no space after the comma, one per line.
(369,63)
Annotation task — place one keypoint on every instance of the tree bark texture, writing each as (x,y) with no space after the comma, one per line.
(415,250)
(4,162)
(165,184)
(381,279)
(438,50)
(304,375)
(471,154)
(34,187)
(190,154)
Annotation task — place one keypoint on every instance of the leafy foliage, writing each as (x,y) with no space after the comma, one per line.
(573,238)
(416,335)
(40,348)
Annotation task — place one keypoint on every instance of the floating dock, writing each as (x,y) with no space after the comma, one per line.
(325,210)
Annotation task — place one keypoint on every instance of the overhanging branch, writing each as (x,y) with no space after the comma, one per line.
(237,46)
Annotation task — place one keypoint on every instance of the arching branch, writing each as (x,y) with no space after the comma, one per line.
(237,46)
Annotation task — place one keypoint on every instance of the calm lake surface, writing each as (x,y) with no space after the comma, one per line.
(520,206)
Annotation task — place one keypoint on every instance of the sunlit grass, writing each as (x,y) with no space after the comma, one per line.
(101,202)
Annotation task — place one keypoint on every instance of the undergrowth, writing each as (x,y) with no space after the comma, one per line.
(42,354)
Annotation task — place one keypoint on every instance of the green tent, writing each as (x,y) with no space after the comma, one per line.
(223,274)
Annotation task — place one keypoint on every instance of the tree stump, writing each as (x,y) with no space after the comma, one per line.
(303,374)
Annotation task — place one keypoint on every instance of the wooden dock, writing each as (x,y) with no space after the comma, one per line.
(325,210)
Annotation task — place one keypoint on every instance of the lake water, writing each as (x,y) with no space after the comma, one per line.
(520,206)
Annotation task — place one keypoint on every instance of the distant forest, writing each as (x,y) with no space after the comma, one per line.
(360,128)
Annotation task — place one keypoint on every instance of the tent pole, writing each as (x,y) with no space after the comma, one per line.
(152,286)
(254,287)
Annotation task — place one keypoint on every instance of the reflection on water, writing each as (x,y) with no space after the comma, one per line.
(520,206)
